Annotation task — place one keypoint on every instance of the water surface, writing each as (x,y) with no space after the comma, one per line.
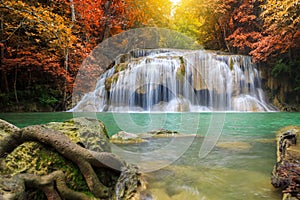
(238,167)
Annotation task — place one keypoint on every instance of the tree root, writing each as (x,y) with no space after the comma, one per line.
(53,185)
(85,159)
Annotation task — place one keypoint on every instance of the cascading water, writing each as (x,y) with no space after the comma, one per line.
(177,81)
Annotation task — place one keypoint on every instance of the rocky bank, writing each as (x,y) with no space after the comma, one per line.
(286,172)
(69,160)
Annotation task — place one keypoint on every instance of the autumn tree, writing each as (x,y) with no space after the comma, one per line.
(206,21)
(188,19)
(34,40)
(149,13)
(279,45)
(246,26)
(281,33)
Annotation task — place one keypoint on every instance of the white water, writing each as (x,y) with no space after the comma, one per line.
(179,81)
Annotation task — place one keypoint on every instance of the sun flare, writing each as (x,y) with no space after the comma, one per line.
(175,2)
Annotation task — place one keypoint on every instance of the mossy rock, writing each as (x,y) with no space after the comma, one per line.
(6,128)
(110,80)
(180,73)
(231,63)
(89,133)
(123,137)
(34,158)
(163,133)
(114,78)
(120,67)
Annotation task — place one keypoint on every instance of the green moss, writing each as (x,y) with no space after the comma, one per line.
(67,128)
(91,133)
(110,80)
(114,78)
(231,63)
(31,157)
(120,67)
(180,73)
(34,158)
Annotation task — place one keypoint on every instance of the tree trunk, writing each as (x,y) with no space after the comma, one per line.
(3,73)
(53,185)
(4,78)
(15,85)
(66,63)
(107,23)
(73,16)
(223,36)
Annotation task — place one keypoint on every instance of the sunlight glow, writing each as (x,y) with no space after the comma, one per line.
(175,2)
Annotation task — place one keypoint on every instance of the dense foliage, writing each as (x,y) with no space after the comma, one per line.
(43,42)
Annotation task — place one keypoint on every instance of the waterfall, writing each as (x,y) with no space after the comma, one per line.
(177,81)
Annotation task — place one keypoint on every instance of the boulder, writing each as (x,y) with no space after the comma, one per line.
(6,128)
(123,137)
(65,160)
(162,133)
(86,132)
(286,172)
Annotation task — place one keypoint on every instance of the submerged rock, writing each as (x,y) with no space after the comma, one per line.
(286,172)
(234,145)
(163,133)
(124,137)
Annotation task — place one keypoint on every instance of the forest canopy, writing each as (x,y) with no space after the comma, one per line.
(43,42)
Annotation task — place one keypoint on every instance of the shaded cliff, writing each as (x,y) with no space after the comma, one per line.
(281,90)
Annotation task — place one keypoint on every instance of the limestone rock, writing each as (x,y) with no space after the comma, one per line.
(34,158)
(87,132)
(162,133)
(286,172)
(37,155)
(6,128)
(124,137)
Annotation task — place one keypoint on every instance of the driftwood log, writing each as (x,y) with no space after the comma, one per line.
(54,185)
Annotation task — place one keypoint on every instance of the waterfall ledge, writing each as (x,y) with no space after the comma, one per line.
(169,80)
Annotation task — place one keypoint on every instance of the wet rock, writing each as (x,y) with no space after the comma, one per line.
(162,133)
(286,172)
(124,137)
(128,184)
